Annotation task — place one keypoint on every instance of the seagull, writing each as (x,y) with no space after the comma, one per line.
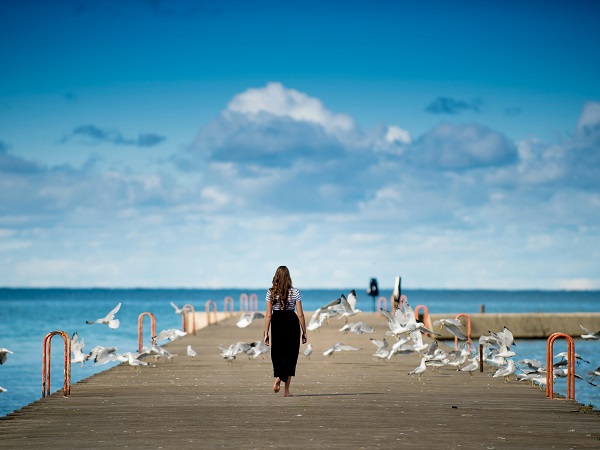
(506,372)
(338,348)
(229,354)
(308,351)
(4,354)
(179,310)
(170,334)
(382,348)
(157,352)
(594,373)
(471,367)
(102,355)
(589,335)
(349,305)
(132,360)
(258,349)
(191,351)
(76,349)
(247,318)
(419,370)
(565,357)
(317,319)
(109,319)
(401,347)
(358,328)
(453,326)
(2,389)
(531,365)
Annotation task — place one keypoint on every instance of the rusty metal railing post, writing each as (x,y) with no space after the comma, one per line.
(187,308)
(46,352)
(550,365)
(253,299)
(243,302)
(228,306)
(209,304)
(380,301)
(141,329)
(468,331)
(426,318)
(481,357)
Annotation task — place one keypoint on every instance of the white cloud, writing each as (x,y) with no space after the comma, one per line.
(397,135)
(277,178)
(590,118)
(277,100)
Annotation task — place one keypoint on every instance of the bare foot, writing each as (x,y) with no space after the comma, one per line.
(276,385)
(288,395)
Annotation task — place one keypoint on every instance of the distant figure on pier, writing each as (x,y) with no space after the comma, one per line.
(397,292)
(285,317)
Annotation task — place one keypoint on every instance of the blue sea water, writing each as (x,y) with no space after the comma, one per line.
(27,315)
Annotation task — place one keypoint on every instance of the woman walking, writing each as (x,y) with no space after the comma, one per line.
(285,317)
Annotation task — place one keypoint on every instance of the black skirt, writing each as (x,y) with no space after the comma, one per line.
(285,343)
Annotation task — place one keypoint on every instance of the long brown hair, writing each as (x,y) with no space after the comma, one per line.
(282,283)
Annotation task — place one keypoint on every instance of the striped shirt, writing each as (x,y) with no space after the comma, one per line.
(293,297)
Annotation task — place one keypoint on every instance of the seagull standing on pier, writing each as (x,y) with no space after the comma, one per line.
(308,351)
(190,351)
(419,370)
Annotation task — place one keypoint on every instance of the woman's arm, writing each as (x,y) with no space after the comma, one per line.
(268,315)
(302,321)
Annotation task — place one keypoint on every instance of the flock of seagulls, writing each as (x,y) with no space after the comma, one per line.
(403,330)
(405,334)
(101,355)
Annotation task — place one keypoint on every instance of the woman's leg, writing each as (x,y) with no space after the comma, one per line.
(286,391)
(276,385)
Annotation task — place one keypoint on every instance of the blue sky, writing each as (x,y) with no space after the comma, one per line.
(202,144)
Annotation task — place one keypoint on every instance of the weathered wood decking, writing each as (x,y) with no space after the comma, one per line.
(348,401)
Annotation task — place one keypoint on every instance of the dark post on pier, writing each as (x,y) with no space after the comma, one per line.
(373,290)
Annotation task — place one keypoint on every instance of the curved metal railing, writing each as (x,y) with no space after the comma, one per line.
(550,365)
(209,304)
(187,308)
(141,329)
(46,352)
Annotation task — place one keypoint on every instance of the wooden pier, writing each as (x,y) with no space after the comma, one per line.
(350,400)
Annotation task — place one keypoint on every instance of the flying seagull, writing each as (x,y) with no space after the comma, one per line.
(248,317)
(109,319)
(4,354)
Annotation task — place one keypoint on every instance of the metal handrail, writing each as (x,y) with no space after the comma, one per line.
(381,300)
(458,316)
(209,304)
(228,304)
(243,302)
(141,329)
(186,309)
(426,318)
(46,352)
(253,299)
(550,365)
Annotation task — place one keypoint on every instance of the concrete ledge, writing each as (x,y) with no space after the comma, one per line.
(525,325)
(202,320)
